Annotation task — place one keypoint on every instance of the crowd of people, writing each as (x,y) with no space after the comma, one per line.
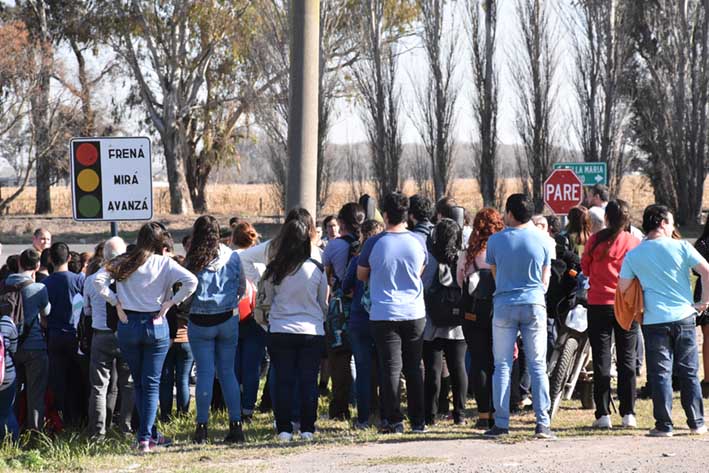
(410,295)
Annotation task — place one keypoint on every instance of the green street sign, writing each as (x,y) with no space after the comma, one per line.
(589,173)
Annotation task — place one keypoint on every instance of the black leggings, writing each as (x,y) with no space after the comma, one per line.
(433,352)
(479,340)
(601,326)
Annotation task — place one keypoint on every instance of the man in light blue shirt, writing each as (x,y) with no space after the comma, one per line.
(662,266)
(520,260)
(392,263)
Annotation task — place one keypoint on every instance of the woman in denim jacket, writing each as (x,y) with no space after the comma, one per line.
(213,330)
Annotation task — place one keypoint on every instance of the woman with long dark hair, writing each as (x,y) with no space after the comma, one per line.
(578,229)
(213,329)
(144,277)
(476,281)
(336,258)
(702,245)
(439,338)
(601,263)
(296,327)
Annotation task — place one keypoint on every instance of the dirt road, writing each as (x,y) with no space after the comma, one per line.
(588,455)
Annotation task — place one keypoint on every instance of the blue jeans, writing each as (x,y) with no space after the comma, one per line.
(531,321)
(144,345)
(673,346)
(176,370)
(249,355)
(364,352)
(8,422)
(295,358)
(214,350)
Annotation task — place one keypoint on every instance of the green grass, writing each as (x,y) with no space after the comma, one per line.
(75,452)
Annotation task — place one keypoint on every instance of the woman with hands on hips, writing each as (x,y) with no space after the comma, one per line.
(144,279)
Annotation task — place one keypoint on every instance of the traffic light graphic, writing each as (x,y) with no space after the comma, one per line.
(87,180)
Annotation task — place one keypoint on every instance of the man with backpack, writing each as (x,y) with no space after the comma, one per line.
(336,258)
(29,305)
(65,290)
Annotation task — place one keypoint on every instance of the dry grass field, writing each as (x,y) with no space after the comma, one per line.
(255,202)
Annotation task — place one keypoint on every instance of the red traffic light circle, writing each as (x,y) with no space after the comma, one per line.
(86,154)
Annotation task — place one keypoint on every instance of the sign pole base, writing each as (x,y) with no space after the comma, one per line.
(114,229)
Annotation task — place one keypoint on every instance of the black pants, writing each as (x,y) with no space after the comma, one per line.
(341,374)
(601,326)
(295,356)
(65,376)
(479,340)
(433,363)
(399,347)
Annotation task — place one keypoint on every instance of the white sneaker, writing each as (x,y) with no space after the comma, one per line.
(285,437)
(603,422)
(629,421)
(699,430)
(307,436)
(660,433)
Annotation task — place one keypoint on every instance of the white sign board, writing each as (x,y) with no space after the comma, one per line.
(111,179)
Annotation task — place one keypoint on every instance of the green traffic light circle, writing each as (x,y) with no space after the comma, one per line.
(89,206)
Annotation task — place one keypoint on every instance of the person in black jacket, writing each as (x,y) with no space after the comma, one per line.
(702,245)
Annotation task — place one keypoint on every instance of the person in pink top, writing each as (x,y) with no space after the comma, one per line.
(602,258)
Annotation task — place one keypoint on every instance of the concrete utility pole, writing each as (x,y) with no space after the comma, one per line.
(303,105)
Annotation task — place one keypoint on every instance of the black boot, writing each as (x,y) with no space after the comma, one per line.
(200,433)
(236,433)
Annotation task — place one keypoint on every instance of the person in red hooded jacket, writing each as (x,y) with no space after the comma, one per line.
(602,258)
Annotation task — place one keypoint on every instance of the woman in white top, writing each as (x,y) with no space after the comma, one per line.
(144,280)
(296,330)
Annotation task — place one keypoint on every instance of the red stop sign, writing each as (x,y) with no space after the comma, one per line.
(563,190)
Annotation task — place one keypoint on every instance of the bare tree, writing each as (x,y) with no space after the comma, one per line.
(357,169)
(436,101)
(602,48)
(670,120)
(482,30)
(534,64)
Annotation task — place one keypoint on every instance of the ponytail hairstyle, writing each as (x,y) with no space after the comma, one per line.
(352,215)
(618,221)
(446,240)
(303,216)
(204,246)
(293,250)
(153,238)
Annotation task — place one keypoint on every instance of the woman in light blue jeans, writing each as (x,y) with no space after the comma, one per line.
(213,329)
(144,277)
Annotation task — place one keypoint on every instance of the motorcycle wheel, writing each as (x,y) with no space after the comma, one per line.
(558,378)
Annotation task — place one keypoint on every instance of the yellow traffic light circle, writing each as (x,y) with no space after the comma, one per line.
(88,180)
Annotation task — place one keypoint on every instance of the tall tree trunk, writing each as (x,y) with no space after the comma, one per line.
(174,165)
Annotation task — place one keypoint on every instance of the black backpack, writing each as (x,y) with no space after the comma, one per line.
(443,298)
(11,304)
(477,305)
